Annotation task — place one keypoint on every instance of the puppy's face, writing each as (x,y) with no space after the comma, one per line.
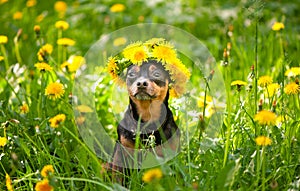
(147,82)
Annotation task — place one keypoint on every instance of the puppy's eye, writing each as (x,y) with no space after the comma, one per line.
(131,74)
(156,74)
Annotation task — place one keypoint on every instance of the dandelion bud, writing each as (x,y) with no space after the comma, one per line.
(274,184)
(37,28)
(14,156)
(230,30)
(229,46)
(251,74)
(201,124)
(31,74)
(18,36)
(225,55)
(211,74)
(225,58)
(14,121)
(274,104)
(260,105)
(249,87)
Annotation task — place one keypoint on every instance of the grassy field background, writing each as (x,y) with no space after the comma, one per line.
(257,143)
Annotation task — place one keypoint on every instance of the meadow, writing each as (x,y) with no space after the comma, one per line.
(244,138)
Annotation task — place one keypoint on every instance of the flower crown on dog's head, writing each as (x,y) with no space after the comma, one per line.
(154,49)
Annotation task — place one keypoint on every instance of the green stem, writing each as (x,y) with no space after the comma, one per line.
(85,180)
(40,101)
(137,143)
(263,169)
(24,178)
(202,126)
(13,90)
(59,49)
(258,165)
(188,139)
(17,50)
(3,50)
(256,75)
(228,133)
(94,157)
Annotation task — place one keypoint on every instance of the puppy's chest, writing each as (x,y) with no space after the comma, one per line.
(145,139)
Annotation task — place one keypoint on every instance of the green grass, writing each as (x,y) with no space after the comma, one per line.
(224,158)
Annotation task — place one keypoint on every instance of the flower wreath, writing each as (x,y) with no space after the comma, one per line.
(154,49)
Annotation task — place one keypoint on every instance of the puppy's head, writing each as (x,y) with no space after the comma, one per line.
(147,82)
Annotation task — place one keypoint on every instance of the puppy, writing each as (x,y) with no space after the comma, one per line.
(148,119)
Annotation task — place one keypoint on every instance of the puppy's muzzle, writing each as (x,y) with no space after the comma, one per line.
(143,87)
(142,84)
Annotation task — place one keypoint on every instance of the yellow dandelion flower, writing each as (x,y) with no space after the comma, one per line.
(263,141)
(3,39)
(164,52)
(133,45)
(65,42)
(152,174)
(18,15)
(292,88)
(64,64)
(136,54)
(154,41)
(46,170)
(112,68)
(265,117)
(57,120)
(3,141)
(177,70)
(3,1)
(173,93)
(84,109)
(116,8)
(43,186)
(60,6)
(177,89)
(63,25)
(47,48)
(24,108)
(208,100)
(75,62)
(153,49)
(280,119)
(264,81)
(37,28)
(119,41)
(54,90)
(40,18)
(44,51)
(1,58)
(238,83)
(8,183)
(292,72)
(277,26)
(42,66)
(272,89)
(80,120)
(31,3)
(209,108)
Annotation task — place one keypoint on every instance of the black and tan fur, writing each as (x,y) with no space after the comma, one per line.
(148,89)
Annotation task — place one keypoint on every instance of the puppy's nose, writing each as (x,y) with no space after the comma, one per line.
(142,84)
